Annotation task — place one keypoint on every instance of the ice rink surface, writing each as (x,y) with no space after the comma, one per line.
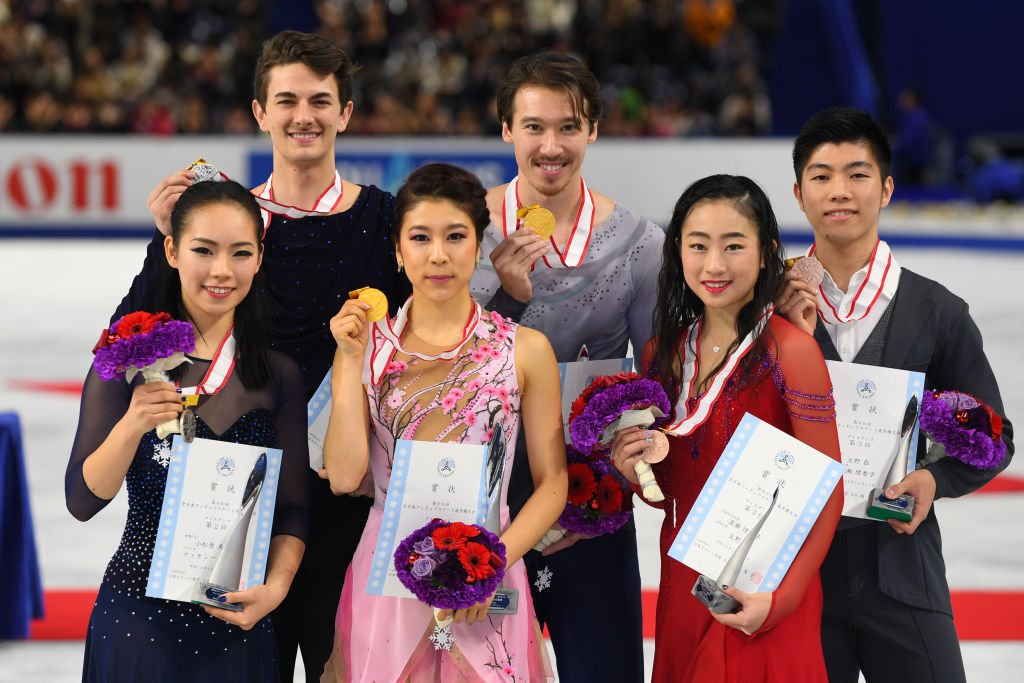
(56,296)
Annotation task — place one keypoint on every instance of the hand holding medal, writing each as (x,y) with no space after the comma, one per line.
(806,268)
(615,403)
(350,326)
(537,218)
(150,343)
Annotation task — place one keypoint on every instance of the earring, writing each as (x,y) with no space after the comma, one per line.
(400,267)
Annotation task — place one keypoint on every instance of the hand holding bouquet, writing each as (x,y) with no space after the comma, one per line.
(450,566)
(150,343)
(615,402)
(598,503)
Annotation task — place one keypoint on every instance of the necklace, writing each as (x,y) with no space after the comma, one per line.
(716,347)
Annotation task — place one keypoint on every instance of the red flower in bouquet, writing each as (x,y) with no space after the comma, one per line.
(453,578)
(142,341)
(139,322)
(582,483)
(609,495)
(599,500)
(475,558)
(454,536)
(601,382)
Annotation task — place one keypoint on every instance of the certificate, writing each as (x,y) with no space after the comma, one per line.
(428,480)
(870,404)
(216,520)
(318,414)
(757,460)
(577,376)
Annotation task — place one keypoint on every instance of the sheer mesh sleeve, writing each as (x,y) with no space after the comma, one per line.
(803,382)
(291,514)
(142,294)
(103,404)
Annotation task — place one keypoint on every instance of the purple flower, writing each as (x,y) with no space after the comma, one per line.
(163,340)
(425,547)
(446,587)
(607,405)
(423,568)
(971,440)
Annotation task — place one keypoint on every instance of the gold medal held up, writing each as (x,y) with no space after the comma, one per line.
(537,218)
(375,298)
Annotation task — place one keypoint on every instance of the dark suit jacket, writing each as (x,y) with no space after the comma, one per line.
(932,332)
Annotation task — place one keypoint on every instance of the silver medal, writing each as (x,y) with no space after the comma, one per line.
(188,425)
(204,172)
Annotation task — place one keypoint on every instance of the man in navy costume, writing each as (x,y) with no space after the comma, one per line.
(303,92)
(887,606)
(591,283)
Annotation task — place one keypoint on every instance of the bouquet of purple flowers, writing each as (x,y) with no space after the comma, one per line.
(150,343)
(450,566)
(964,427)
(616,402)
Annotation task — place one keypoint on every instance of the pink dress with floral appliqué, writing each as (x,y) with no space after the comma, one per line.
(385,639)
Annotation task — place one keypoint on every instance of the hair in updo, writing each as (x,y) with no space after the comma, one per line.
(443,182)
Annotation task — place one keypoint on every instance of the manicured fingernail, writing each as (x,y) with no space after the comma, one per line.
(648,440)
(724,586)
(221,598)
(178,389)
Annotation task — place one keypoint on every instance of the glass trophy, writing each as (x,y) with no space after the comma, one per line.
(227,572)
(709,591)
(901,507)
(506,600)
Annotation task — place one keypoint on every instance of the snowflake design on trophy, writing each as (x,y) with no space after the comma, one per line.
(442,638)
(543,579)
(162,453)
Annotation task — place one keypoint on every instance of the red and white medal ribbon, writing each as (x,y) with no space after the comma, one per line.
(386,340)
(685,423)
(881,271)
(579,238)
(323,206)
(221,367)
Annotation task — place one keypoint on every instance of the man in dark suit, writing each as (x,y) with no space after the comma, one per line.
(887,608)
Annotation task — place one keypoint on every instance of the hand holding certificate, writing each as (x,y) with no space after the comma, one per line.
(216,521)
(877,432)
(754,512)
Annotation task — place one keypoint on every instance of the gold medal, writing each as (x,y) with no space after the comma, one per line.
(377,300)
(537,218)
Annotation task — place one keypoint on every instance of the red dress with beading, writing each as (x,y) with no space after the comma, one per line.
(786,385)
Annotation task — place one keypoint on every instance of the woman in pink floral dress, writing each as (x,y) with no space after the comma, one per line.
(442,370)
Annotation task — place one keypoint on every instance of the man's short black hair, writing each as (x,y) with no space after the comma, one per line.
(836,126)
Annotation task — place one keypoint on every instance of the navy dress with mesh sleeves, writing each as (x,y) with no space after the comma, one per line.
(132,637)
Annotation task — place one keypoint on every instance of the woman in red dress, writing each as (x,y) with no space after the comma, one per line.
(721,270)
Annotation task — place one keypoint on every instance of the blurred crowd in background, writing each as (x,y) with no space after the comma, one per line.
(669,68)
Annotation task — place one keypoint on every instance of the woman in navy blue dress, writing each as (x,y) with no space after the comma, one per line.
(215,253)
